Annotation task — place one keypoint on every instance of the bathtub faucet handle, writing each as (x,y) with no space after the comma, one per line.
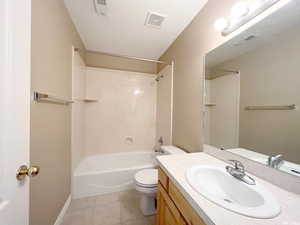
(161,141)
(157,147)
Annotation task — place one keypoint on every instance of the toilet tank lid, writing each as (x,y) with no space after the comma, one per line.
(170,149)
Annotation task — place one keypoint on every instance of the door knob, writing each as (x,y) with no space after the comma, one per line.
(24,171)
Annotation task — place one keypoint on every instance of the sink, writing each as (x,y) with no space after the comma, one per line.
(218,186)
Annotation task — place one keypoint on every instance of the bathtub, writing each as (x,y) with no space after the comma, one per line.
(107,173)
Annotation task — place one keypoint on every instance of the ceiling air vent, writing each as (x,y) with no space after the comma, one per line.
(100,7)
(154,20)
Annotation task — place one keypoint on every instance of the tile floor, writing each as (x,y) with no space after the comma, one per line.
(120,208)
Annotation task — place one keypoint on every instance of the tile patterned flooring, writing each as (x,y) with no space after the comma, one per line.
(120,208)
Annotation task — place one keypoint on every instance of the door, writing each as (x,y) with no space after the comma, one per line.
(15,22)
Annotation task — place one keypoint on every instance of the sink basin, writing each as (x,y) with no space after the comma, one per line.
(218,186)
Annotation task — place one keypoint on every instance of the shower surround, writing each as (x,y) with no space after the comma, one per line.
(116,118)
(124,118)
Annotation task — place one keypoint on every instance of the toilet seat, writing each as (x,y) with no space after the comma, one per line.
(145,186)
(147,178)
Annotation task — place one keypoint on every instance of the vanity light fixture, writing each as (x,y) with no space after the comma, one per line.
(241,13)
(221,24)
(239,10)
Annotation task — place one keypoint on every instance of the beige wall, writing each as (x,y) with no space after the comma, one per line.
(124,118)
(53,35)
(119,63)
(188,54)
(275,64)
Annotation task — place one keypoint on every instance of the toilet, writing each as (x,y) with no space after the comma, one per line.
(146,182)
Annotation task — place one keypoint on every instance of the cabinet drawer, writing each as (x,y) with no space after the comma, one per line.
(163,178)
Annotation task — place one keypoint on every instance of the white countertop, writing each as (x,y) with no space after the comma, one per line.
(175,167)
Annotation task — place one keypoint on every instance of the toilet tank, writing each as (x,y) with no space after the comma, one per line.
(170,150)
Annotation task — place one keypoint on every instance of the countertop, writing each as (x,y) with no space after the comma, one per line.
(175,167)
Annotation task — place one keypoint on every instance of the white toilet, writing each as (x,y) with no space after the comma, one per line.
(146,182)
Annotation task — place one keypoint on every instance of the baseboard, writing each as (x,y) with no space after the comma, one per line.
(63,211)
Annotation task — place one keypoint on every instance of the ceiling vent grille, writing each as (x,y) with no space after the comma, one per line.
(100,7)
(154,20)
(101,2)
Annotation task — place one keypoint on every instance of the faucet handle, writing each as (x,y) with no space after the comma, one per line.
(237,165)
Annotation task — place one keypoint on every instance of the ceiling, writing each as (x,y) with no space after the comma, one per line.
(122,31)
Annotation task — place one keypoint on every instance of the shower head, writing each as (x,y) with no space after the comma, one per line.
(158,78)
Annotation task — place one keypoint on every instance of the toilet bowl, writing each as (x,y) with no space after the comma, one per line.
(146,182)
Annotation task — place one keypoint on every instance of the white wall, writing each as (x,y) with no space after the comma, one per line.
(165,105)
(78,119)
(124,118)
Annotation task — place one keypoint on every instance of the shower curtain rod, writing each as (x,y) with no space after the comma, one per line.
(124,56)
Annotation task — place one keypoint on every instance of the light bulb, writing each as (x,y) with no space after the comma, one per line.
(138,92)
(221,24)
(239,10)
(255,4)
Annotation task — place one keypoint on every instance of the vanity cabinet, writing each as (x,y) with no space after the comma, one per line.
(172,207)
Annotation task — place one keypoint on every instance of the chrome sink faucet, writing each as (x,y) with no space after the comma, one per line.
(275,161)
(238,171)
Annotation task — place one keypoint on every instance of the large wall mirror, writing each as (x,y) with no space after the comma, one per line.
(252,92)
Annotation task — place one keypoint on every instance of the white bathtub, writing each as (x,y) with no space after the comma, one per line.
(107,173)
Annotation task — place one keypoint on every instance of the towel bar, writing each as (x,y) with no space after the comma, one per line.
(41,97)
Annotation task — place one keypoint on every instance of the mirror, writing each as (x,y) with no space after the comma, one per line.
(252,92)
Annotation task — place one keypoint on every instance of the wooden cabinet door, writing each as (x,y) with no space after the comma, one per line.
(167,213)
(161,207)
(185,208)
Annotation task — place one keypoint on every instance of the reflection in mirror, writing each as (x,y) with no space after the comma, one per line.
(252,92)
